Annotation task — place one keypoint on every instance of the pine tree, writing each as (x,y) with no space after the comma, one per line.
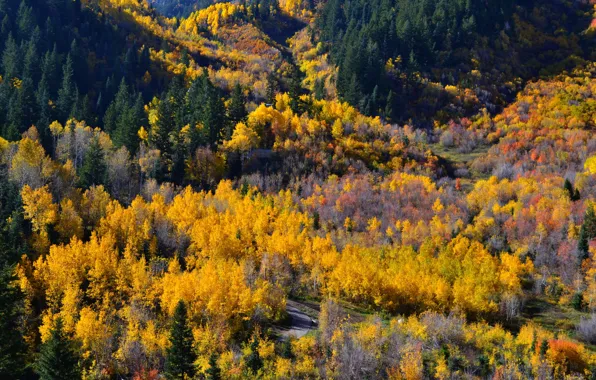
(66,94)
(58,359)
(389,107)
(11,59)
(213,372)
(214,116)
(94,170)
(12,346)
(133,119)
(295,90)
(587,232)
(253,360)
(320,89)
(180,355)
(237,110)
(161,133)
(31,63)
(271,89)
(543,348)
(117,108)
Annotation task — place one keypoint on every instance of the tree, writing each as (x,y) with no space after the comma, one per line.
(214,116)
(389,107)
(11,59)
(66,94)
(320,89)
(271,89)
(295,90)
(117,109)
(128,124)
(180,355)
(574,194)
(587,232)
(213,372)
(58,359)
(94,169)
(237,109)
(12,346)
(253,360)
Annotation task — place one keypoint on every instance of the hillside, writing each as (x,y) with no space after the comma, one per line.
(284,189)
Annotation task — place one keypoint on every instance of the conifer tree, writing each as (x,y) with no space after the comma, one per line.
(214,115)
(67,93)
(587,232)
(11,59)
(237,111)
(180,355)
(12,346)
(295,90)
(213,372)
(271,89)
(320,89)
(253,360)
(58,359)
(389,107)
(94,170)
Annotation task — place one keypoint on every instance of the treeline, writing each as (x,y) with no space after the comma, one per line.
(61,60)
(389,50)
(180,8)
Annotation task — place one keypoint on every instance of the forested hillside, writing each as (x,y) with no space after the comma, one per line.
(284,189)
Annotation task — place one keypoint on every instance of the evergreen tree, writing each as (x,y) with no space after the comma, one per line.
(194,109)
(94,169)
(573,193)
(31,63)
(320,89)
(389,107)
(25,21)
(213,372)
(11,59)
(12,346)
(271,89)
(237,110)
(58,359)
(67,93)
(543,348)
(117,109)
(214,115)
(295,90)
(587,232)
(180,356)
(128,126)
(253,360)
(161,135)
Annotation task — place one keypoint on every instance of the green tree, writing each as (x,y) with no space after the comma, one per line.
(117,109)
(67,92)
(253,360)
(573,193)
(389,106)
(213,372)
(295,90)
(587,232)
(237,110)
(58,359)
(214,115)
(320,89)
(271,89)
(180,356)
(11,59)
(94,169)
(12,346)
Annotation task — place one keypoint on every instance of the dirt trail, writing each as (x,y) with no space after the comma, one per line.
(301,320)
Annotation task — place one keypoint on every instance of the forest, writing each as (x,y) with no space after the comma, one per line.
(297,189)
